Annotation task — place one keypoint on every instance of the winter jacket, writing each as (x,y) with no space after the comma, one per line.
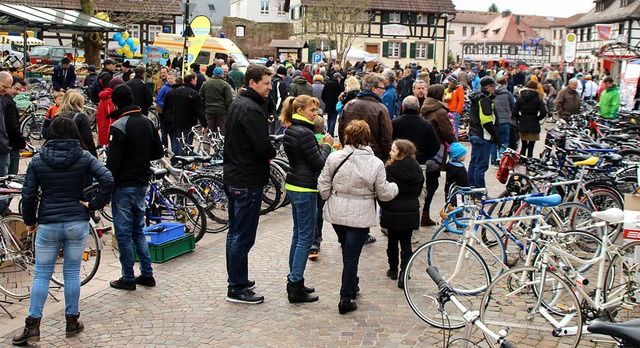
(389,99)
(63,78)
(200,79)
(438,115)
(403,212)
(405,87)
(456,102)
(55,182)
(88,80)
(238,78)
(185,107)
(84,127)
(475,83)
(456,174)
(247,147)
(12,123)
(216,96)
(133,144)
(305,159)
(351,195)
(142,96)
(504,103)
(162,93)
(529,111)
(482,120)
(419,131)
(567,102)
(463,80)
(330,94)
(367,106)
(300,86)
(104,78)
(317,87)
(105,107)
(307,76)
(610,102)
(278,93)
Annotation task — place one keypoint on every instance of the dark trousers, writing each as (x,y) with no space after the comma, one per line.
(527,148)
(432,187)
(244,213)
(352,240)
(216,121)
(331,122)
(404,237)
(14,161)
(319,223)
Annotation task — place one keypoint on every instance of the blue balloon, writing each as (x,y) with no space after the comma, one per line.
(134,48)
(117,36)
(130,41)
(121,42)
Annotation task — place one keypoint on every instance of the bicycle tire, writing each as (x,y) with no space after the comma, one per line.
(420,291)
(630,155)
(90,260)
(283,163)
(271,195)
(281,175)
(17,265)
(216,204)
(153,116)
(31,128)
(507,303)
(603,199)
(623,279)
(183,208)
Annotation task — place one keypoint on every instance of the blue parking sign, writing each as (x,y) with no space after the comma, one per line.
(317,57)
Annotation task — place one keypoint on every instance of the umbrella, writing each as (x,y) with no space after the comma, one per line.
(522,65)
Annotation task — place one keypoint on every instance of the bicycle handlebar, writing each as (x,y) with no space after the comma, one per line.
(452,215)
(433,273)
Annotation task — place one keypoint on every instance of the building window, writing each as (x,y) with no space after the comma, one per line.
(394,17)
(423,18)
(624,3)
(421,50)
(281,11)
(621,29)
(464,31)
(134,30)
(394,50)
(599,6)
(212,7)
(264,7)
(554,34)
(473,30)
(239,30)
(153,31)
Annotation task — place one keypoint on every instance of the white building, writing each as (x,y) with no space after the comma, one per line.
(272,11)
(463,26)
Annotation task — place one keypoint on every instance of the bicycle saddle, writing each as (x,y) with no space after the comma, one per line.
(599,145)
(591,161)
(201,159)
(613,215)
(545,201)
(159,172)
(576,158)
(628,332)
(184,159)
(612,157)
(275,137)
(619,137)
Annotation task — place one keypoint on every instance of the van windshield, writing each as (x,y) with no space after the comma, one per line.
(40,51)
(240,59)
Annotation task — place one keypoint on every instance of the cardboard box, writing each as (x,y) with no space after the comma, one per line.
(631,227)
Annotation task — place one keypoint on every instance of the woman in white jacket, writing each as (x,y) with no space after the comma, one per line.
(350,182)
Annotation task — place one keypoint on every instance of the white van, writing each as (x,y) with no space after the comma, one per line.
(213,48)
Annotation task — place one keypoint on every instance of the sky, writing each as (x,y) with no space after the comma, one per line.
(556,8)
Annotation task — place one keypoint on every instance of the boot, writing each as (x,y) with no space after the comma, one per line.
(74,325)
(297,294)
(392,272)
(307,289)
(346,306)
(31,332)
(425,220)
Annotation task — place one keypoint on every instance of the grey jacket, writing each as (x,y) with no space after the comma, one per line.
(350,197)
(300,86)
(504,103)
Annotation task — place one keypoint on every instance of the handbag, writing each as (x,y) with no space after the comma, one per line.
(340,165)
(433,163)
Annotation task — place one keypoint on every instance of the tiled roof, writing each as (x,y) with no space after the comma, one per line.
(429,6)
(484,17)
(612,13)
(503,29)
(474,17)
(167,7)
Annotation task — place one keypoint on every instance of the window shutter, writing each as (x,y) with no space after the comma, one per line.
(414,18)
(404,17)
(412,50)
(403,50)
(385,48)
(385,17)
(430,51)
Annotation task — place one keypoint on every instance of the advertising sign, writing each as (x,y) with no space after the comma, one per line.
(570,45)
(155,54)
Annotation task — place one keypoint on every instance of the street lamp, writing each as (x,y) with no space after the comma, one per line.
(445,42)
(187,32)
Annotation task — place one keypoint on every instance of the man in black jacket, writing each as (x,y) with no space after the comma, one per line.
(195,68)
(104,77)
(405,86)
(411,126)
(142,96)
(277,97)
(133,144)
(186,110)
(330,94)
(483,130)
(247,152)
(12,124)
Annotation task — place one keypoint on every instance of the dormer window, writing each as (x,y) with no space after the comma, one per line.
(599,6)
(624,3)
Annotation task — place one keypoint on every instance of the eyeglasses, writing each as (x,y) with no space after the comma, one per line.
(379,87)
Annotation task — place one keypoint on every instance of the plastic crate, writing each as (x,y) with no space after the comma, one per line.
(167,251)
(163,232)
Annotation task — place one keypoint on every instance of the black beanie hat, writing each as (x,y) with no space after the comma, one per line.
(282,70)
(122,96)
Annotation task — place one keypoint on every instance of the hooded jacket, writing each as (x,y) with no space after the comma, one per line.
(105,107)
(504,103)
(216,96)
(455,103)
(610,102)
(330,94)
(403,212)
(300,86)
(305,159)
(529,110)
(567,102)
(482,120)
(56,179)
(435,112)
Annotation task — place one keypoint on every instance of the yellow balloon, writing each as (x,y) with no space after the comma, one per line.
(125,35)
(126,49)
(103,16)
(136,41)
(119,50)
(129,55)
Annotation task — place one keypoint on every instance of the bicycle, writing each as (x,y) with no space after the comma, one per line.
(626,335)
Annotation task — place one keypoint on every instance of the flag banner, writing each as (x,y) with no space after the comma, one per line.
(604,31)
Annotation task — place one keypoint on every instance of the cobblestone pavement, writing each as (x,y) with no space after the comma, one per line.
(188,309)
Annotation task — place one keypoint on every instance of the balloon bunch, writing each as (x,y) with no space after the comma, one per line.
(128,45)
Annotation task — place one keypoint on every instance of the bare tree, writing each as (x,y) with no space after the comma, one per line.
(337,22)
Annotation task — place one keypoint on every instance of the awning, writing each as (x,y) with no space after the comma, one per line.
(354,54)
(19,17)
(288,44)
(17,40)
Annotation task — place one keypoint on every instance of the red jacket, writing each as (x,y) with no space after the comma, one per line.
(105,107)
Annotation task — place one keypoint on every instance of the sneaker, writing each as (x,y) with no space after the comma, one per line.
(123,284)
(251,284)
(244,296)
(313,255)
(370,239)
(146,281)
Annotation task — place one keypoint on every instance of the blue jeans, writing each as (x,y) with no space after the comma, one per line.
(479,163)
(303,208)
(5,159)
(244,213)
(128,207)
(72,236)
(164,135)
(352,240)
(496,154)
(331,122)
(456,123)
(319,222)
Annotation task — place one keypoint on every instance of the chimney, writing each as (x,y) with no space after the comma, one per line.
(506,13)
(517,20)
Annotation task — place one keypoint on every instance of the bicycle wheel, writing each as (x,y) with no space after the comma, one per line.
(17,258)
(174,204)
(622,282)
(271,194)
(216,204)
(153,116)
(90,260)
(511,303)
(601,200)
(31,129)
(470,280)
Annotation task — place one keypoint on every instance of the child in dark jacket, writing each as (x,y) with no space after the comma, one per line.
(456,172)
(401,215)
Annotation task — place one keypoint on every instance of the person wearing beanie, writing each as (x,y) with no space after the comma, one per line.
(216,97)
(277,96)
(454,98)
(133,144)
(126,71)
(483,130)
(300,85)
(456,172)
(88,80)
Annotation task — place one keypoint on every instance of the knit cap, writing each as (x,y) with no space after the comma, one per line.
(218,71)
(453,78)
(457,150)
(122,96)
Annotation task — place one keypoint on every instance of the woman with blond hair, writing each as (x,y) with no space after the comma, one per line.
(306,160)
(350,182)
(72,107)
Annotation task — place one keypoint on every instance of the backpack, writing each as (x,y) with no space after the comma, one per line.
(96,87)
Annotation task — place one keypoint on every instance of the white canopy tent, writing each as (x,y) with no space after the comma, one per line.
(354,54)
(17,40)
